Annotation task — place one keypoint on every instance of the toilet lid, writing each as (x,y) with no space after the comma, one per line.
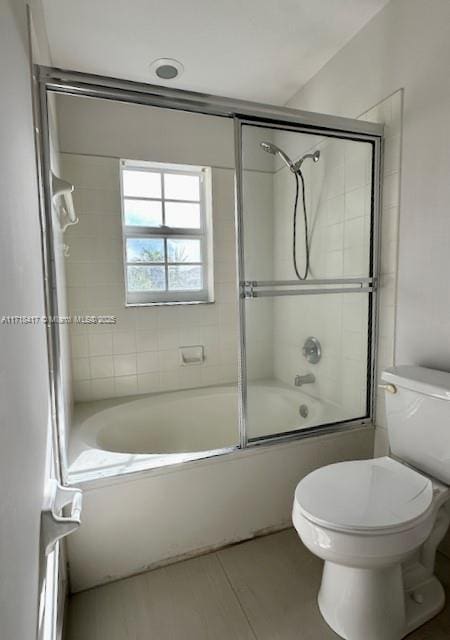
(364,495)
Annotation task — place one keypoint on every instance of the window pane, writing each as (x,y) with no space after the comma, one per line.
(145,250)
(182,250)
(141,184)
(146,278)
(181,187)
(185,215)
(185,278)
(142,213)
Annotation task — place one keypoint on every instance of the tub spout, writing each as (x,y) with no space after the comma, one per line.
(309,378)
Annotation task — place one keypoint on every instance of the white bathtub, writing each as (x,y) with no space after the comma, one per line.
(147,498)
(111,436)
(176,422)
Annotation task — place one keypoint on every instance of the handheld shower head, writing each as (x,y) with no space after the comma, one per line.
(271,148)
(274,150)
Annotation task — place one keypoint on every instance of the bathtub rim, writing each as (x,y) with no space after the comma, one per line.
(92,484)
(89,481)
(94,476)
(85,414)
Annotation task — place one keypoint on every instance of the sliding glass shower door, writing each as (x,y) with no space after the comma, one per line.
(307,260)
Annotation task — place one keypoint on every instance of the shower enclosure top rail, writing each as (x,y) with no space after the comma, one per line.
(86,84)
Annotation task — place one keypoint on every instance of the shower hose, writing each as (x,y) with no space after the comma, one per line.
(298,174)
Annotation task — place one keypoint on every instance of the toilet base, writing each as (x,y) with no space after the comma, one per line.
(372,603)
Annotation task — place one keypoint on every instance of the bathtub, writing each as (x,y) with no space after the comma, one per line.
(134,490)
(112,437)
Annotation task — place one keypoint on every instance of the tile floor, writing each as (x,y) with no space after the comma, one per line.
(264,589)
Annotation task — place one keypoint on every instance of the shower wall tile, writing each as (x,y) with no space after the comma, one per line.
(100,388)
(80,369)
(79,346)
(259,216)
(139,354)
(101,367)
(125,385)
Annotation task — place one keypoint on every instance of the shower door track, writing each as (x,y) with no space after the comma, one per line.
(75,83)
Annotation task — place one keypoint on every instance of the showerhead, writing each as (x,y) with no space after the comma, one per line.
(274,150)
(269,147)
(314,157)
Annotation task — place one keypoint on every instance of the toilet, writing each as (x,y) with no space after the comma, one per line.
(377,523)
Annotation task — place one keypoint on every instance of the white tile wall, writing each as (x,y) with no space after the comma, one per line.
(258,265)
(140,353)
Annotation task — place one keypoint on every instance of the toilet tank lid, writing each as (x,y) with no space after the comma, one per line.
(429,382)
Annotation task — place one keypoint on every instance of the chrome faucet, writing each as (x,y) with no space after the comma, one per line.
(309,378)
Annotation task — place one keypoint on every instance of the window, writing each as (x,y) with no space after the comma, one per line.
(167,232)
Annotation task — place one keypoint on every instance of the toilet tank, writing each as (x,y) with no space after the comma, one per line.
(418,418)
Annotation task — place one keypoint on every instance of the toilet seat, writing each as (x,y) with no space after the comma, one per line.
(376,496)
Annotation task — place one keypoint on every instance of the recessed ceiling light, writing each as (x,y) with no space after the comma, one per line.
(166,68)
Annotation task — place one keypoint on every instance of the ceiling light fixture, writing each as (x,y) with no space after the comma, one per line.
(166,68)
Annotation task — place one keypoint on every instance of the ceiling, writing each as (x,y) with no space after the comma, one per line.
(262,50)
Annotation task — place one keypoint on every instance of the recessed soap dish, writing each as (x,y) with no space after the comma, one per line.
(191,355)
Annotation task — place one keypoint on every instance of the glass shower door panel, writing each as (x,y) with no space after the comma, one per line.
(306,218)
(289,390)
(337,178)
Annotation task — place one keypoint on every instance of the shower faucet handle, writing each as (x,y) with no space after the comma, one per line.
(312,350)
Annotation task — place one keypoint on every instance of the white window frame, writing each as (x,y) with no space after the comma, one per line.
(204,234)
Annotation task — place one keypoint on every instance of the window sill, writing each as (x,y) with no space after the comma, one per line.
(168,304)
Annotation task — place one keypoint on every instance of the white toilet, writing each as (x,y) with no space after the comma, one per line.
(377,523)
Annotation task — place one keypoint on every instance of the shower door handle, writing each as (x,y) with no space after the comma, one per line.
(54,525)
(273,288)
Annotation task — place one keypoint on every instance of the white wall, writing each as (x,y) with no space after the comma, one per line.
(24,410)
(407,45)
(140,353)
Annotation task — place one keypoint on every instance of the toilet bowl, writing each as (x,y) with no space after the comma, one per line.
(368,520)
(377,523)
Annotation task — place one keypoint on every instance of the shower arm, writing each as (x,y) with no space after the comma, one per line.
(295,167)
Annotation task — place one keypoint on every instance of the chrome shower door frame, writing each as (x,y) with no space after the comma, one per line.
(369,285)
(60,81)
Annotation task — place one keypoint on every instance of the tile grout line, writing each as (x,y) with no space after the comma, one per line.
(241,606)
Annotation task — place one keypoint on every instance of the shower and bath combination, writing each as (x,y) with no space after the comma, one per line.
(295,168)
